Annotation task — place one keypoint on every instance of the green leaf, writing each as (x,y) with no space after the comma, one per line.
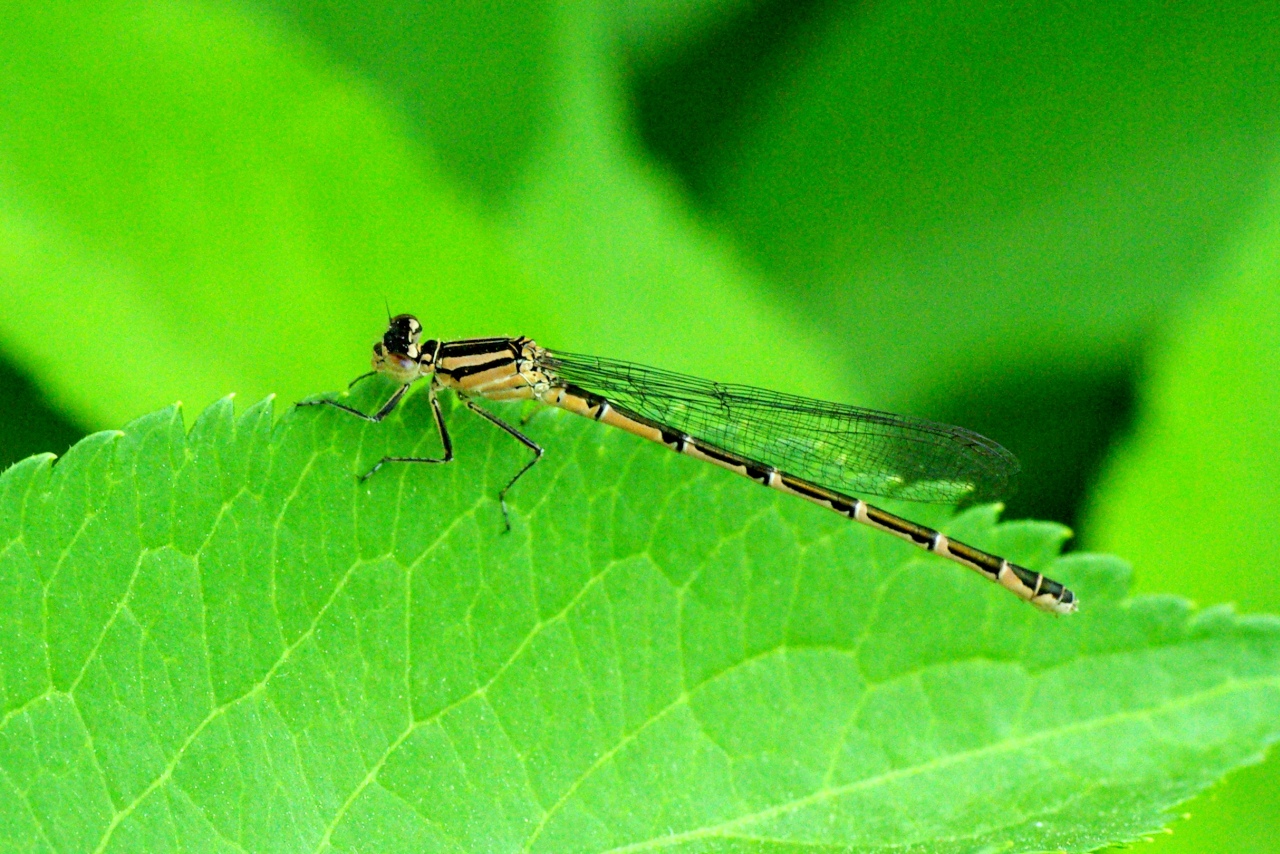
(474,80)
(651,31)
(961,187)
(602,230)
(224,641)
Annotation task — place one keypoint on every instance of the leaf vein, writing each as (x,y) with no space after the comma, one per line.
(994,748)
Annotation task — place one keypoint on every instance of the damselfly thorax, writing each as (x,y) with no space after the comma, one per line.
(822,452)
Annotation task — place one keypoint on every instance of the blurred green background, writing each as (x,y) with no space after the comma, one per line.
(1056,224)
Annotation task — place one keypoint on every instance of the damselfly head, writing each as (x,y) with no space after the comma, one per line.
(399,353)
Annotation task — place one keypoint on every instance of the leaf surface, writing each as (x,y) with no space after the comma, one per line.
(224,641)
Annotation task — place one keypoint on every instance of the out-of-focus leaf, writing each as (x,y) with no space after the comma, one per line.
(652,30)
(1194,496)
(196,184)
(612,241)
(677,295)
(224,641)
(961,189)
(619,263)
(474,79)
(28,425)
(191,203)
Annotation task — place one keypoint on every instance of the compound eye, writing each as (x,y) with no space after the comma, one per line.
(404,330)
(400,337)
(378,350)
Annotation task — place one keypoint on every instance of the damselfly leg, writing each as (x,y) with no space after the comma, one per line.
(524,440)
(382,413)
(445,440)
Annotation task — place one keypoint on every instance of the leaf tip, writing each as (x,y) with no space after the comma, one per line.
(37,461)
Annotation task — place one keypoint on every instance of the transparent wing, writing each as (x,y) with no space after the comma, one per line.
(845,448)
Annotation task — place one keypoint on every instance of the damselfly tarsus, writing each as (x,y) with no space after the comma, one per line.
(818,451)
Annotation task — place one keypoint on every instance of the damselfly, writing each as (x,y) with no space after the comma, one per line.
(818,451)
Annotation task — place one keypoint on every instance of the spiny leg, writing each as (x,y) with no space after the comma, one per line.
(444,440)
(524,440)
(375,417)
(363,376)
